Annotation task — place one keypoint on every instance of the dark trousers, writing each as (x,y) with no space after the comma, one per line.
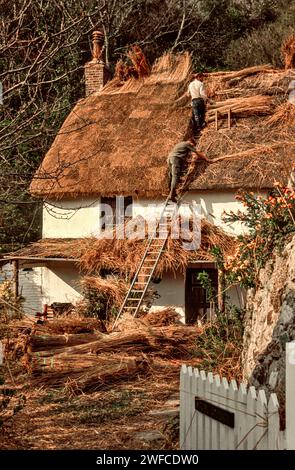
(174,174)
(198,114)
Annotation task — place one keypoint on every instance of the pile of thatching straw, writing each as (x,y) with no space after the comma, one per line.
(90,361)
(124,255)
(113,289)
(283,117)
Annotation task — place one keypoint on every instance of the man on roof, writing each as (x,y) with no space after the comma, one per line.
(177,160)
(196,91)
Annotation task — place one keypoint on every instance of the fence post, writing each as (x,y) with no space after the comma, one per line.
(1,353)
(290,395)
(183,405)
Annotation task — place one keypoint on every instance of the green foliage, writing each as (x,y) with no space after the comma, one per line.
(263,45)
(219,346)
(10,307)
(97,305)
(206,283)
(270,221)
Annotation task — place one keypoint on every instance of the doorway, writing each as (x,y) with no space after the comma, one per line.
(197,304)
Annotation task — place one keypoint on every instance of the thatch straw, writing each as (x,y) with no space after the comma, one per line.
(91,155)
(288,51)
(165,317)
(112,288)
(253,105)
(283,117)
(124,255)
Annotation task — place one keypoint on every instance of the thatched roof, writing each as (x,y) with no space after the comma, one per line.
(124,255)
(50,248)
(117,141)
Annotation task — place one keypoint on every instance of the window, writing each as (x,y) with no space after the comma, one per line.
(115,211)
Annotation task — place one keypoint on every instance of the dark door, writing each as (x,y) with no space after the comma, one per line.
(197,304)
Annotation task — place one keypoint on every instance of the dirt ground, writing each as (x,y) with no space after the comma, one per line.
(106,419)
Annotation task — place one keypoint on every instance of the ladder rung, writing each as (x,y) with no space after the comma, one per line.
(135,290)
(129,307)
(132,300)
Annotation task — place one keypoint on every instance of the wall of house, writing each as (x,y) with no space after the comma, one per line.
(81,217)
(211,205)
(171,292)
(71,218)
(60,283)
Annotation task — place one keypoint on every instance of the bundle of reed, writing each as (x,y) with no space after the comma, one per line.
(74,324)
(267,68)
(165,317)
(46,341)
(139,61)
(90,374)
(288,51)
(113,288)
(165,342)
(243,107)
(283,117)
(131,341)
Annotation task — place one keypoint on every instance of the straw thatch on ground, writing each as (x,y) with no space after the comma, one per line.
(91,154)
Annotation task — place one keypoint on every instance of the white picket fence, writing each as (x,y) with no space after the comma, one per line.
(215,414)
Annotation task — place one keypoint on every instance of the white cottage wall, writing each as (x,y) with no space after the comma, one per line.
(71,218)
(171,292)
(81,217)
(60,283)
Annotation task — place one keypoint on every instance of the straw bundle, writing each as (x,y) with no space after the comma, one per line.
(112,288)
(46,341)
(283,117)
(73,324)
(165,317)
(99,373)
(267,68)
(243,107)
(288,51)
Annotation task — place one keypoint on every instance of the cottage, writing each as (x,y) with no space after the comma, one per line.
(115,143)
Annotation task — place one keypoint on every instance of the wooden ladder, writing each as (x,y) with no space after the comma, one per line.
(148,264)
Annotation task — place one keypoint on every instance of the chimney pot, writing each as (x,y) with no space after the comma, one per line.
(96,73)
(97,45)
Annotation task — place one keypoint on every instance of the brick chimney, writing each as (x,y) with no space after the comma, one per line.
(96,73)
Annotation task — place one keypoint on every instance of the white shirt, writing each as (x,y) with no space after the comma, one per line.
(196,89)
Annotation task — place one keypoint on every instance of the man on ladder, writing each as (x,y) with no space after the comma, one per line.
(196,91)
(177,160)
